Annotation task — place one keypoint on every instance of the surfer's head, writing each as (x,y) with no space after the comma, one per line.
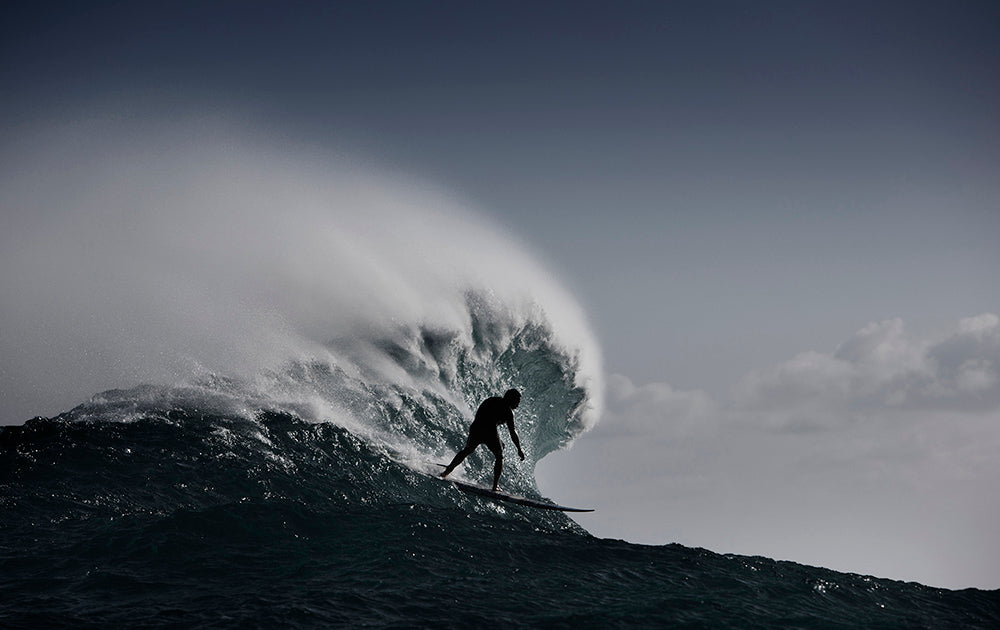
(512,398)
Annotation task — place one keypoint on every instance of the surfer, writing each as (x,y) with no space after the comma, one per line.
(491,414)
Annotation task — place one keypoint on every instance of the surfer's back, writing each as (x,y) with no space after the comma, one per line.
(493,411)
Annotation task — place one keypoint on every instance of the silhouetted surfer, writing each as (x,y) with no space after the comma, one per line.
(491,414)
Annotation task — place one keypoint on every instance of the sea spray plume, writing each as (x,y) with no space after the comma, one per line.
(136,252)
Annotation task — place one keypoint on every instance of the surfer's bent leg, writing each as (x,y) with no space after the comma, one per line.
(462,454)
(497,449)
(470,445)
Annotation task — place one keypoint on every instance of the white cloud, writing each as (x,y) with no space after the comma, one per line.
(967,365)
(879,368)
(655,409)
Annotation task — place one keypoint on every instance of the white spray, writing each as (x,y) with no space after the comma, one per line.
(147,253)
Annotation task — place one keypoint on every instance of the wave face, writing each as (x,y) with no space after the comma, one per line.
(294,347)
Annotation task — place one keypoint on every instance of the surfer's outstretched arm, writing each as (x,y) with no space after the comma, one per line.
(514,438)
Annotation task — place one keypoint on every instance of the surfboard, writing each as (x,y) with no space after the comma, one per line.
(511,498)
(501,496)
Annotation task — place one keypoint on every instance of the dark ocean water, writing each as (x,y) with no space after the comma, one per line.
(230,504)
(200,521)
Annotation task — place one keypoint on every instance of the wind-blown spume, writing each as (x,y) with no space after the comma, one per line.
(149,253)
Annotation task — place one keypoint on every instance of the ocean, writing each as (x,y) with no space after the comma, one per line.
(300,498)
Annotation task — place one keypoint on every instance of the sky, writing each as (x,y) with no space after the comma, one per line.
(781,219)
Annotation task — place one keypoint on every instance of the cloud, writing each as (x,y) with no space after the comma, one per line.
(655,409)
(880,368)
(878,371)
(968,362)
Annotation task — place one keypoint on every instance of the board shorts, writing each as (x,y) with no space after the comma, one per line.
(485,433)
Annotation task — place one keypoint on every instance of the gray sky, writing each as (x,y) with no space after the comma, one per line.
(781,219)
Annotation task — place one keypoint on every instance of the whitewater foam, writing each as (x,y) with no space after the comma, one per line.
(138,252)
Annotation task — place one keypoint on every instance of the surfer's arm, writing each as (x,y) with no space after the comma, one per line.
(513,436)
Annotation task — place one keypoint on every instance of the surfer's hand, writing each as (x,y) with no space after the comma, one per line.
(520,454)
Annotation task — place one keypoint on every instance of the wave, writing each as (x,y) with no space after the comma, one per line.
(410,396)
(228,286)
(324,438)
